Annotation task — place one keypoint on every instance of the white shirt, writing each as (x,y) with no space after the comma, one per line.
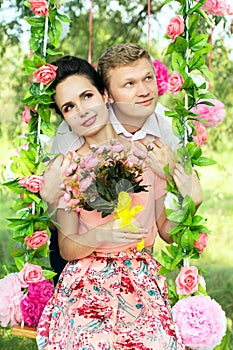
(156,126)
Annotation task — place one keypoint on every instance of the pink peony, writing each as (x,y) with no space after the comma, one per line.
(31,311)
(187,281)
(201,244)
(201,134)
(175,27)
(39,7)
(162,75)
(175,82)
(32,183)
(212,114)
(10,297)
(41,291)
(38,239)
(30,273)
(200,320)
(218,7)
(45,74)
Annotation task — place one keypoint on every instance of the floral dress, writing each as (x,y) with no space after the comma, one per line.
(114,298)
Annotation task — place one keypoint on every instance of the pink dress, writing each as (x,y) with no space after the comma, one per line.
(114,298)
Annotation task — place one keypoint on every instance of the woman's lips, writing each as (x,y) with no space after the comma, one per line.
(90,121)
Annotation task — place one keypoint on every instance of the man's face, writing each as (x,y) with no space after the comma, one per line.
(133,90)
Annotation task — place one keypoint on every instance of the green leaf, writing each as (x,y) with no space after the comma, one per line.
(19,262)
(29,66)
(198,42)
(181,46)
(178,62)
(203,161)
(55,32)
(48,274)
(64,18)
(17,252)
(36,21)
(196,62)
(54,53)
(186,240)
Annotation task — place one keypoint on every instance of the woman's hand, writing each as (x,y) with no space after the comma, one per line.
(110,234)
(159,156)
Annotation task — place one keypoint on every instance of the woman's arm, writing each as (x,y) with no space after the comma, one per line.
(75,246)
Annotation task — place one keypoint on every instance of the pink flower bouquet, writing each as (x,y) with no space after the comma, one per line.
(201,322)
(23,296)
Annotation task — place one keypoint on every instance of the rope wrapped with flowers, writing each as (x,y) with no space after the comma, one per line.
(27,286)
(200,319)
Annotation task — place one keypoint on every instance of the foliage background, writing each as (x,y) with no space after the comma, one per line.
(123,23)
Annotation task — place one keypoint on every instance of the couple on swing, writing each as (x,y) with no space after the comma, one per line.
(109,294)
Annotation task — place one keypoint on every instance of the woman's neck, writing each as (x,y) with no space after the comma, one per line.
(102,136)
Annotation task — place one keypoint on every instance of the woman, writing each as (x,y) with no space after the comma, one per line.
(110,295)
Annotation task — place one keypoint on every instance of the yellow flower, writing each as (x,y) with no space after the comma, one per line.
(126,215)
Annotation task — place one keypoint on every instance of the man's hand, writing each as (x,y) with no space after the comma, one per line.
(53,177)
(158,157)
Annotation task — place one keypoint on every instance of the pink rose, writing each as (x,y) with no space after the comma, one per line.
(32,183)
(175,27)
(187,281)
(212,114)
(71,169)
(45,74)
(117,147)
(39,7)
(218,7)
(201,134)
(10,297)
(162,75)
(38,239)
(89,161)
(85,183)
(175,82)
(30,273)
(201,244)
(26,115)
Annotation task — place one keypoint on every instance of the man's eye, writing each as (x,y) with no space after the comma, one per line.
(149,78)
(129,83)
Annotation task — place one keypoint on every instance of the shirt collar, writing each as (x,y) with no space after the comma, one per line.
(150,127)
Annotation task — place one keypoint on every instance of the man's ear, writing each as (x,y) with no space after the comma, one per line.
(107,96)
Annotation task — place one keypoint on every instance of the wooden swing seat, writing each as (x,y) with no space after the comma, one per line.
(27,332)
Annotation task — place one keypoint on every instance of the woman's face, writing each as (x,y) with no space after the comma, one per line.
(81,104)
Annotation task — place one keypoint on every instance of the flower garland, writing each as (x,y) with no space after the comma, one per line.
(29,281)
(200,320)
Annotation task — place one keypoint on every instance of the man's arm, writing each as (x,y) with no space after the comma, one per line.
(65,140)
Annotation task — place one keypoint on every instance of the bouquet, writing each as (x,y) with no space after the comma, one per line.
(104,179)
(23,296)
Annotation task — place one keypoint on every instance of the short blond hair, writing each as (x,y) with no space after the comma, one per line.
(119,55)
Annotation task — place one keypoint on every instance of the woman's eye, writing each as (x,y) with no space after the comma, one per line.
(87,96)
(68,108)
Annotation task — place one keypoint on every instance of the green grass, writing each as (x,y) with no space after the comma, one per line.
(216,260)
